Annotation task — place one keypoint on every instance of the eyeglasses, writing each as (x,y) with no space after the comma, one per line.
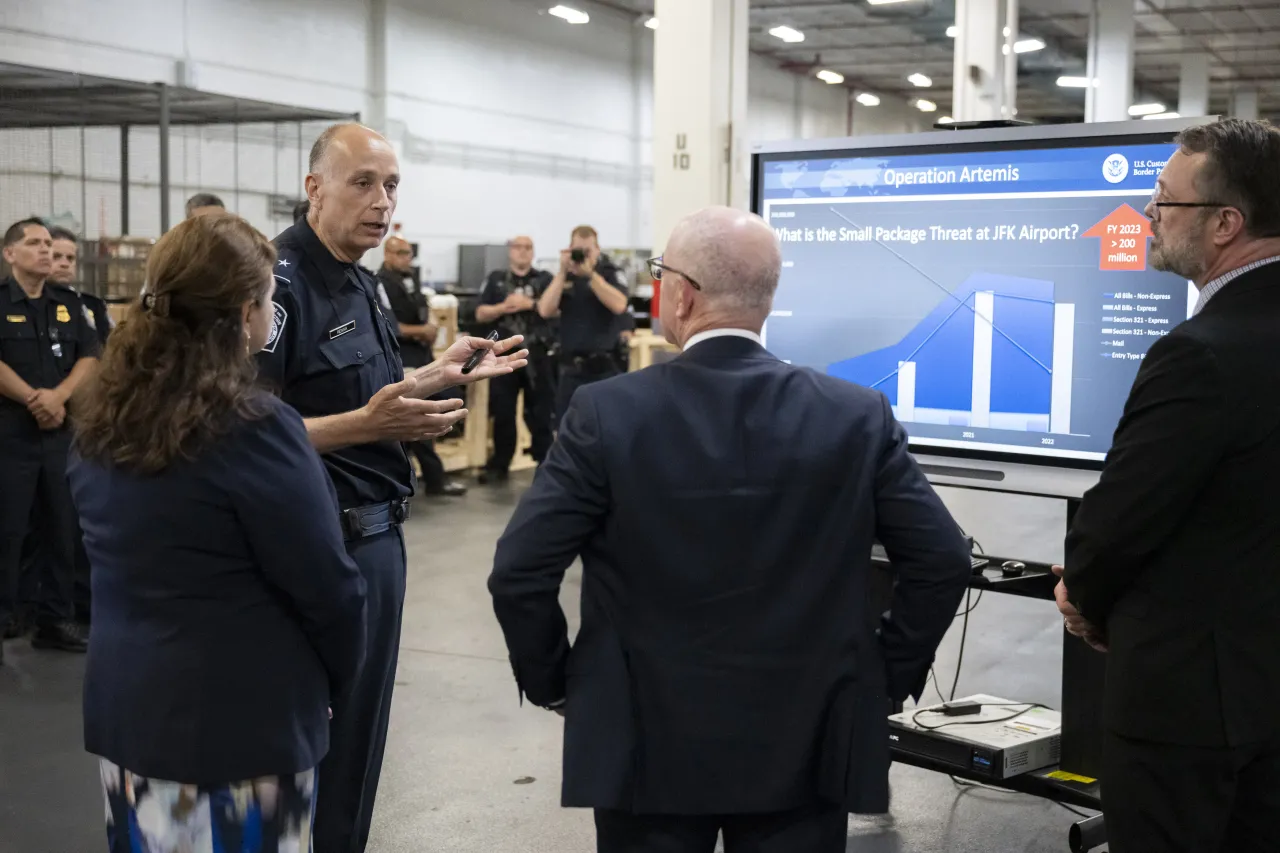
(1157,205)
(656,268)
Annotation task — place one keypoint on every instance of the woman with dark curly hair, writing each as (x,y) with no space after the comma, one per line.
(227,616)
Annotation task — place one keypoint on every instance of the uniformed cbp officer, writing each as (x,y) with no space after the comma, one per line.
(333,356)
(509,301)
(66,255)
(46,350)
(417,336)
(587,294)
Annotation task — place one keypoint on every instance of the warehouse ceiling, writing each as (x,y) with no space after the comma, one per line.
(876,47)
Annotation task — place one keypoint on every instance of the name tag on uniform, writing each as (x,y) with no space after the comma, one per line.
(342,330)
(16,318)
(64,316)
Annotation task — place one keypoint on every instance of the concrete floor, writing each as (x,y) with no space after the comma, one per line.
(469,769)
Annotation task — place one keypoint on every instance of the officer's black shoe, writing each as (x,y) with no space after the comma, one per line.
(63,637)
(493,475)
(1,654)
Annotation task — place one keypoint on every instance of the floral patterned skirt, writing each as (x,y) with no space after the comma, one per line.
(268,815)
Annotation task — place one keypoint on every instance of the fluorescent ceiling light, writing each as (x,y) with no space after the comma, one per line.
(945,120)
(920,80)
(830,76)
(1161,115)
(926,106)
(952,30)
(883,2)
(868,100)
(569,14)
(1075,82)
(1028,45)
(652,23)
(1146,109)
(787,34)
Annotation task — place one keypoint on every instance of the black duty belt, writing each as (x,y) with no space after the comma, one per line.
(596,361)
(363,521)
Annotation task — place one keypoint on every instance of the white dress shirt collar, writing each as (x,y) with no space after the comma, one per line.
(722,333)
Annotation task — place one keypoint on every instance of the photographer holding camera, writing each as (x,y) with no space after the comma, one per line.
(588,294)
(509,302)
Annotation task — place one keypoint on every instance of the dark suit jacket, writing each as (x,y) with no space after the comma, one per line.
(1176,551)
(226,612)
(725,505)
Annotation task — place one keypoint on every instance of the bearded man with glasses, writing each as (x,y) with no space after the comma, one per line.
(1173,560)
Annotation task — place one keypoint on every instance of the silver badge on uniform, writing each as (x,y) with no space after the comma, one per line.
(278,318)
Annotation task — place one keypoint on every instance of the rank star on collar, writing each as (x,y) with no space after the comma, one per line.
(282,262)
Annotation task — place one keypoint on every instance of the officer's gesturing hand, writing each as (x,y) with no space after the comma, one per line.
(446,371)
(394,415)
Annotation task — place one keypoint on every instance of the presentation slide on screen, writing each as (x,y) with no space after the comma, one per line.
(1001,300)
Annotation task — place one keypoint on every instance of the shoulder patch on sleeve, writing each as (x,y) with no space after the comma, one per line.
(278,318)
(383,297)
(88,317)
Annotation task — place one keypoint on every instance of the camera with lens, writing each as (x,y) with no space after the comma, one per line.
(578,255)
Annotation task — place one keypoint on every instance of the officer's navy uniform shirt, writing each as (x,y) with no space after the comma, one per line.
(407,307)
(331,348)
(40,340)
(97,316)
(587,327)
(502,283)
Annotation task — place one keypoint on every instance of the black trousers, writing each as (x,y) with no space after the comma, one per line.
(535,382)
(34,475)
(816,829)
(35,551)
(572,378)
(1161,798)
(348,777)
(430,462)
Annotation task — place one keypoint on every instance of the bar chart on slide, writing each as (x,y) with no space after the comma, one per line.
(996,353)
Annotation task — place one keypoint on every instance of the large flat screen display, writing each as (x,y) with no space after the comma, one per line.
(1000,293)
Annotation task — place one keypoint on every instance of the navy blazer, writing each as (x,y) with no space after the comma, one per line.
(227,615)
(729,659)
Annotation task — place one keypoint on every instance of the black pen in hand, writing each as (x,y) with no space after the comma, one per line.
(477,355)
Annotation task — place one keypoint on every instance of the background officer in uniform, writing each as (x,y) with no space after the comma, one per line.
(66,254)
(63,273)
(46,350)
(587,294)
(509,300)
(411,314)
(333,356)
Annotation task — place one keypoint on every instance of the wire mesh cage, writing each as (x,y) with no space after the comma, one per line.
(115,162)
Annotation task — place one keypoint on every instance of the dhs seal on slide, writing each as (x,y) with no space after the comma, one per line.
(1115,168)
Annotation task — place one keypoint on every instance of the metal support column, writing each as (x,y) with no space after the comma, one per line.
(164,157)
(124,180)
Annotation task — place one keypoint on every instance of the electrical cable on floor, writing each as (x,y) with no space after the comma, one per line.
(964,634)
